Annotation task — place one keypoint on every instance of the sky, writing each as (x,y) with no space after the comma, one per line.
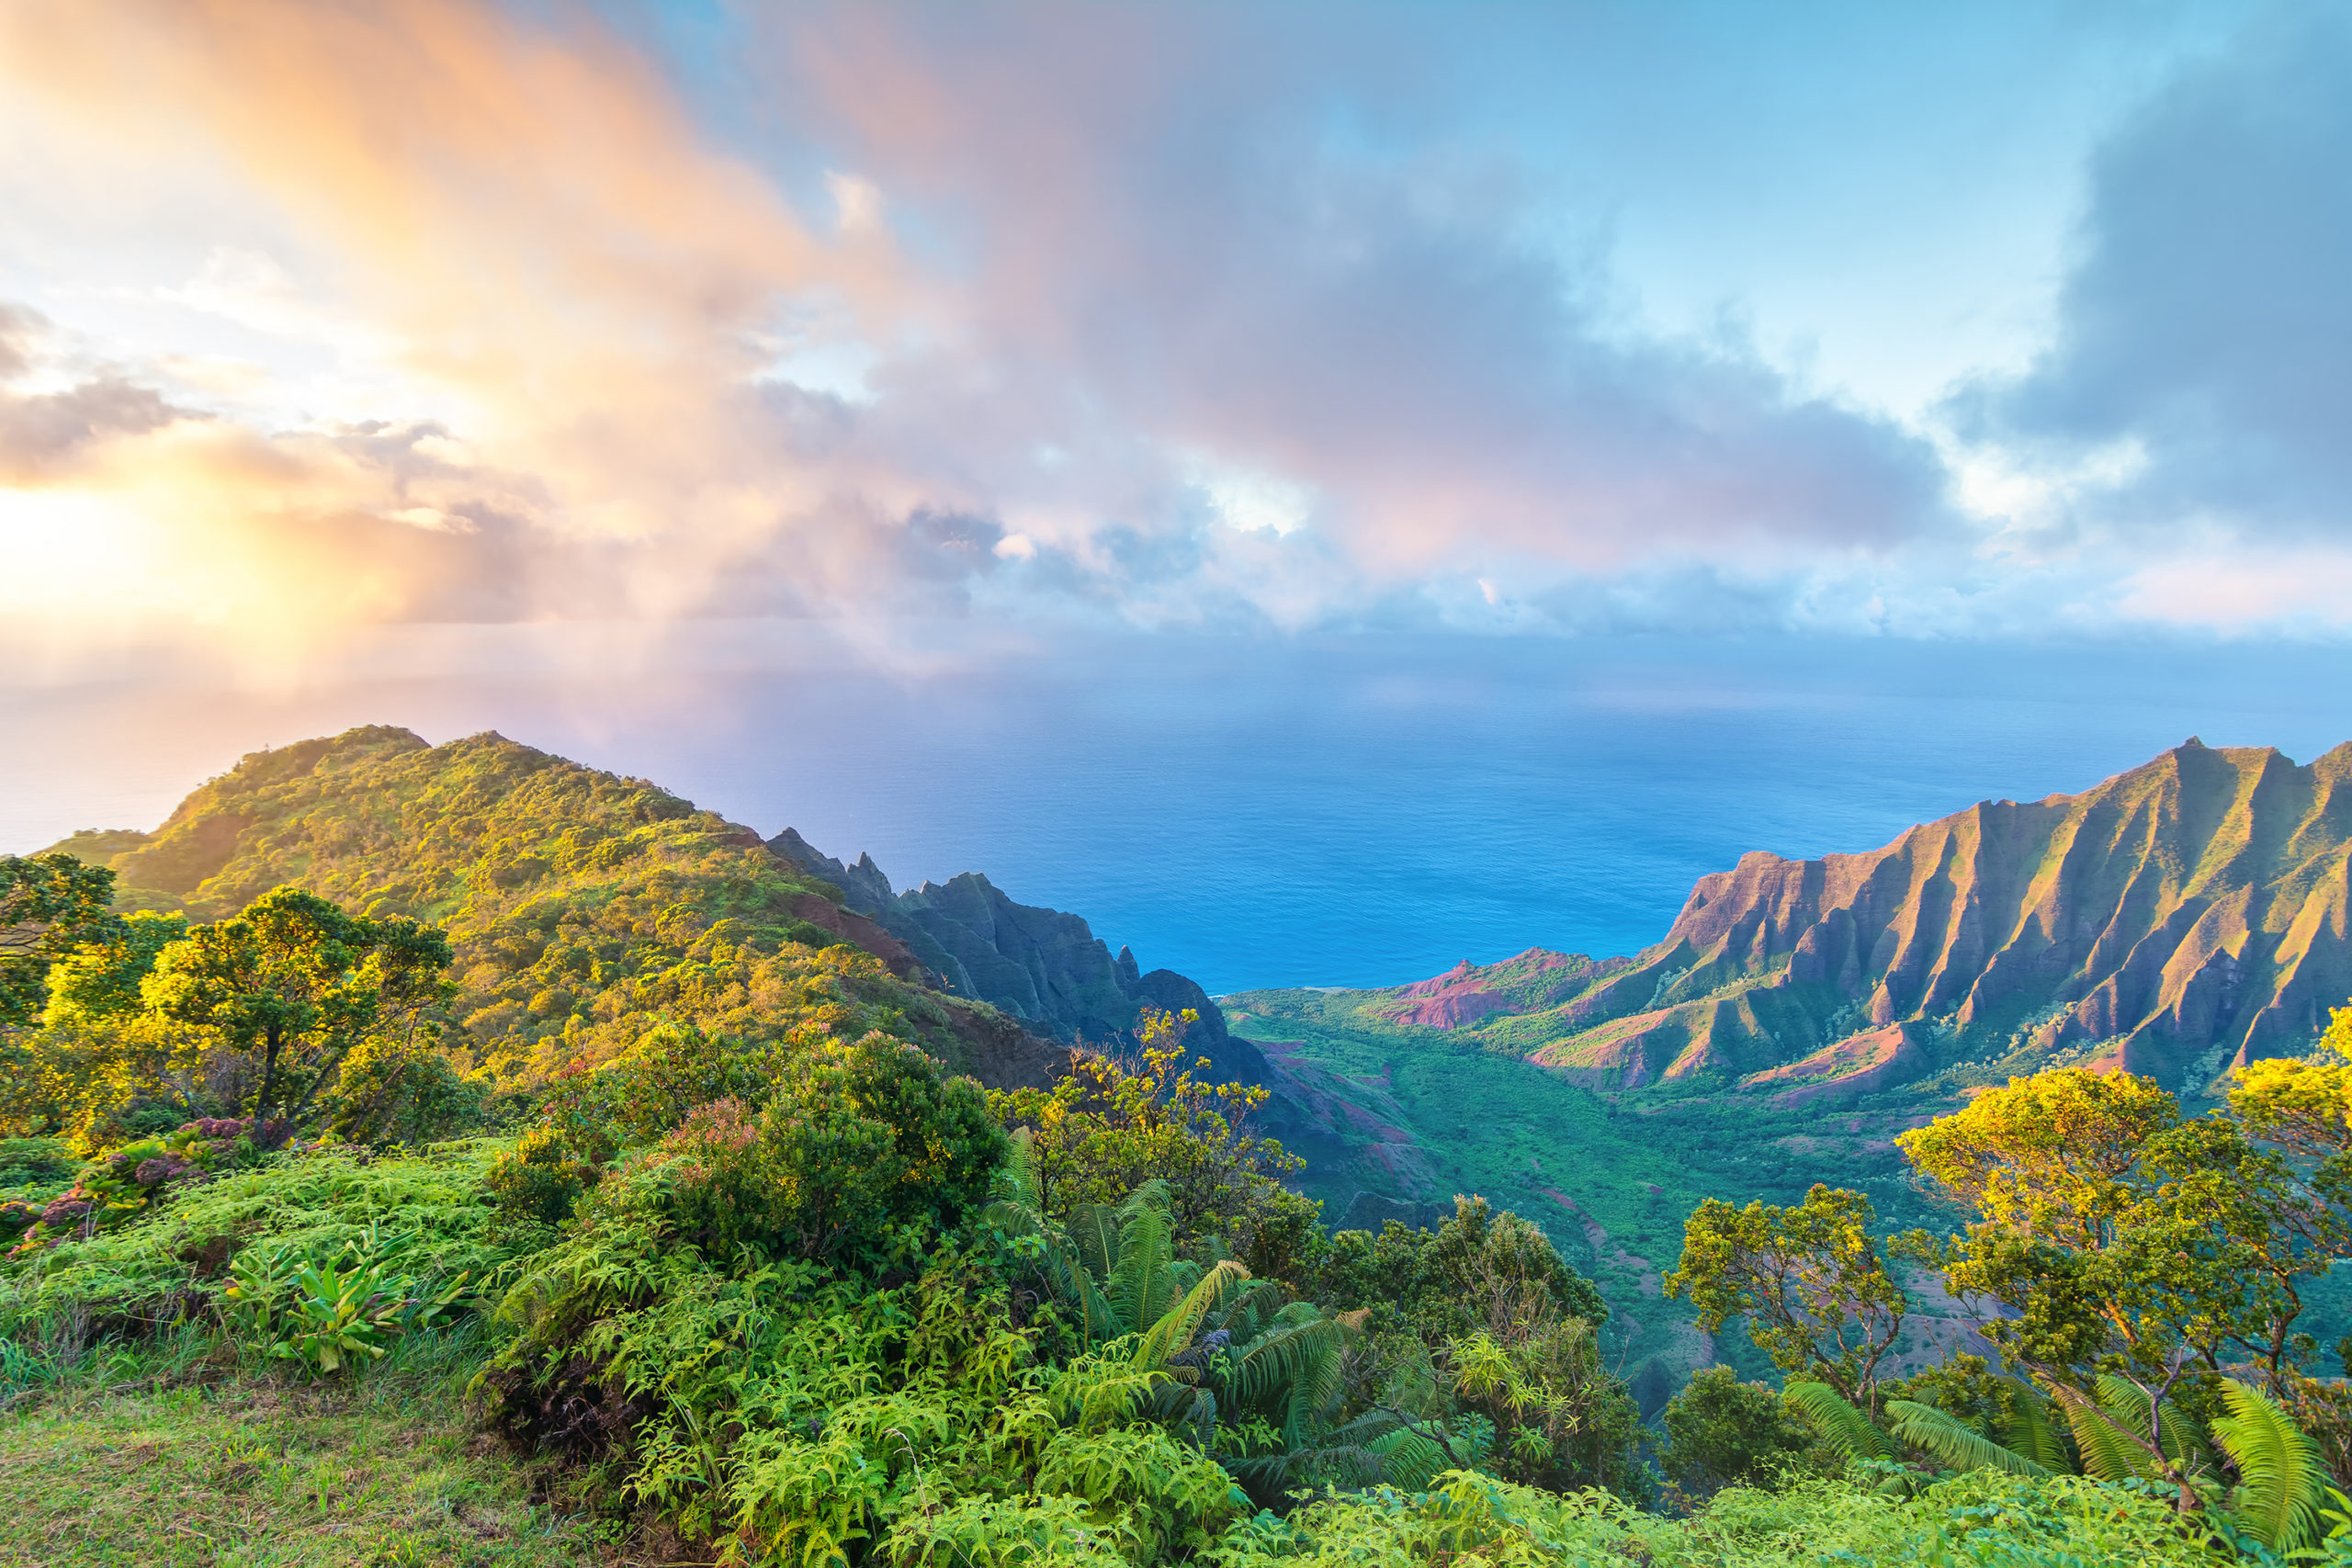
(904,328)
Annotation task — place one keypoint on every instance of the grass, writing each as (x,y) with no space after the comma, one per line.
(176,1455)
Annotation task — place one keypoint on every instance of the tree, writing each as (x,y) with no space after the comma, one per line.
(2118,1244)
(1484,1270)
(2048,1156)
(1562,1420)
(857,1148)
(2301,1104)
(50,905)
(287,991)
(1721,1432)
(1485,1308)
(1106,1129)
(1809,1280)
(95,1053)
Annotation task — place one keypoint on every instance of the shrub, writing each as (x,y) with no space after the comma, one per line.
(124,1183)
(1721,1432)
(1482,1271)
(172,1260)
(855,1145)
(590,1114)
(1106,1128)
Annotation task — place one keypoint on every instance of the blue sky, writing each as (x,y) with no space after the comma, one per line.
(326,327)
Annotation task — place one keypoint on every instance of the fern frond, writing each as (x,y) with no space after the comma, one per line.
(1174,1329)
(1306,1360)
(1094,1236)
(1408,1460)
(2283,1480)
(1841,1426)
(2111,1450)
(2030,1432)
(1015,1187)
(1953,1441)
(2128,1403)
(1276,1359)
(1142,1284)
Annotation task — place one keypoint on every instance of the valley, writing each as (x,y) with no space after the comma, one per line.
(2171,922)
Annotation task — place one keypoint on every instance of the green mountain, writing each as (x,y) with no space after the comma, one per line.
(584,907)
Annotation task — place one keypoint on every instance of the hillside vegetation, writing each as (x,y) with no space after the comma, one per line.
(582,906)
(451,1153)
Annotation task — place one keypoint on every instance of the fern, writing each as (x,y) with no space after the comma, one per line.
(1955,1442)
(1841,1426)
(2030,1432)
(991,1532)
(1302,1361)
(2110,1450)
(1174,1329)
(1142,1284)
(2128,1403)
(2283,1480)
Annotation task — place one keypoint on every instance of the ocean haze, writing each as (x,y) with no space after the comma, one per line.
(1353,811)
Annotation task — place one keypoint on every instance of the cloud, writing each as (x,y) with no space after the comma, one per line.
(1237,317)
(1171,275)
(39,430)
(2205,330)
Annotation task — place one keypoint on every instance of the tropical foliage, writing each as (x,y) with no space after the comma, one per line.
(725,1230)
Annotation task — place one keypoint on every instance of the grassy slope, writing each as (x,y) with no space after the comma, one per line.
(130,1462)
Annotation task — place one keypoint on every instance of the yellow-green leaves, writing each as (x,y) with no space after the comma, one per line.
(1809,1280)
(2109,1233)
(2044,1157)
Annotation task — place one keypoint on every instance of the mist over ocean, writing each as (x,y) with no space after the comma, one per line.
(1361,811)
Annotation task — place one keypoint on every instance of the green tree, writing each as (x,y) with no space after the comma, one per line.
(1811,1281)
(856,1147)
(1721,1432)
(1107,1128)
(2118,1243)
(96,1054)
(1562,1419)
(50,905)
(1484,1269)
(283,993)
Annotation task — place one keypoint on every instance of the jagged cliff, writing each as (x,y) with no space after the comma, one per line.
(2172,921)
(1045,967)
(2178,917)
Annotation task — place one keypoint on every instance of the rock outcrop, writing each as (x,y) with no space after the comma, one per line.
(1044,966)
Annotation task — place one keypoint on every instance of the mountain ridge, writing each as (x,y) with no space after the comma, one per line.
(490,836)
(1046,968)
(2176,919)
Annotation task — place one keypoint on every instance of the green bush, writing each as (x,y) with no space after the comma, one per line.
(1984,1518)
(173,1262)
(854,1147)
(1721,1432)
(34,1167)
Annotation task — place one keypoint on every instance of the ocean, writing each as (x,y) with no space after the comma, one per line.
(1344,811)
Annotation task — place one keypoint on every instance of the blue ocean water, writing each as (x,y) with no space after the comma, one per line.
(1350,811)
